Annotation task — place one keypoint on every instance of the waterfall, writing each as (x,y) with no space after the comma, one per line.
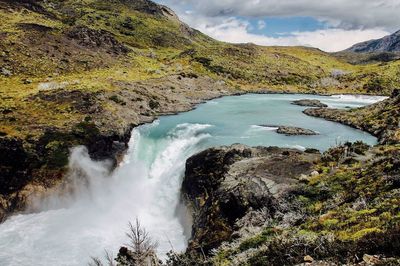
(94,214)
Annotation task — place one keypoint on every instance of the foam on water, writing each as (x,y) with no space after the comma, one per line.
(262,128)
(358,98)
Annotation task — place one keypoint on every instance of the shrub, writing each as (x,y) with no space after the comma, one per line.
(154,104)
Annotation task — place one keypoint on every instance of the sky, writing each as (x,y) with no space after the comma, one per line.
(330,25)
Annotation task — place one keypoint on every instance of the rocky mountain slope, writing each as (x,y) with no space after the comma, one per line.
(390,43)
(384,50)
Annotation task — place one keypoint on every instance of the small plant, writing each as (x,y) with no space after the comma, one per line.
(154,104)
(140,251)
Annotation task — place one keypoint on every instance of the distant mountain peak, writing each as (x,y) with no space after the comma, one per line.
(390,43)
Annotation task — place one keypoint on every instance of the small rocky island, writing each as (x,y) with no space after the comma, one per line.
(309,103)
(295,131)
(292,131)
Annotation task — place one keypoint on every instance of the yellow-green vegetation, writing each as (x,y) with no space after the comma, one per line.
(88,45)
(381,119)
(343,213)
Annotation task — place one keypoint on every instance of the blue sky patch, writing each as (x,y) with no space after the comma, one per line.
(278,27)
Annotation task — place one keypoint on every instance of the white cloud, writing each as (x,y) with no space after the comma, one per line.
(330,40)
(333,40)
(348,14)
(261,24)
(351,21)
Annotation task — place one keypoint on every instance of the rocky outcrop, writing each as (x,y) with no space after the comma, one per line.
(295,131)
(150,7)
(381,119)
(14,165)
(225,186)
(274,206)
(309,103)
(96,39)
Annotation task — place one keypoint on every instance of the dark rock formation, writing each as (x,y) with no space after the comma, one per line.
(96,39)
(149,7)
(14,165)
(295,131)
(390,43)
(224,184)
(249,198)
(309,103)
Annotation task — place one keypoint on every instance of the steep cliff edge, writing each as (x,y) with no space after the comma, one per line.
(231,187)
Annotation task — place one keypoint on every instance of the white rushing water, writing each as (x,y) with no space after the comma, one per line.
(70,228)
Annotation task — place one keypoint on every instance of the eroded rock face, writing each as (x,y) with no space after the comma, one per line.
(14,171)
(309,103)
(224,185)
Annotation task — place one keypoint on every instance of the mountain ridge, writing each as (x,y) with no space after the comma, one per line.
(389,43)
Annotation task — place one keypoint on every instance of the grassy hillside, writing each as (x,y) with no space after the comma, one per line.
(90,45)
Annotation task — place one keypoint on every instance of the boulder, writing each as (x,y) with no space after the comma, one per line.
(371,259)
(5,72)
(308,259)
